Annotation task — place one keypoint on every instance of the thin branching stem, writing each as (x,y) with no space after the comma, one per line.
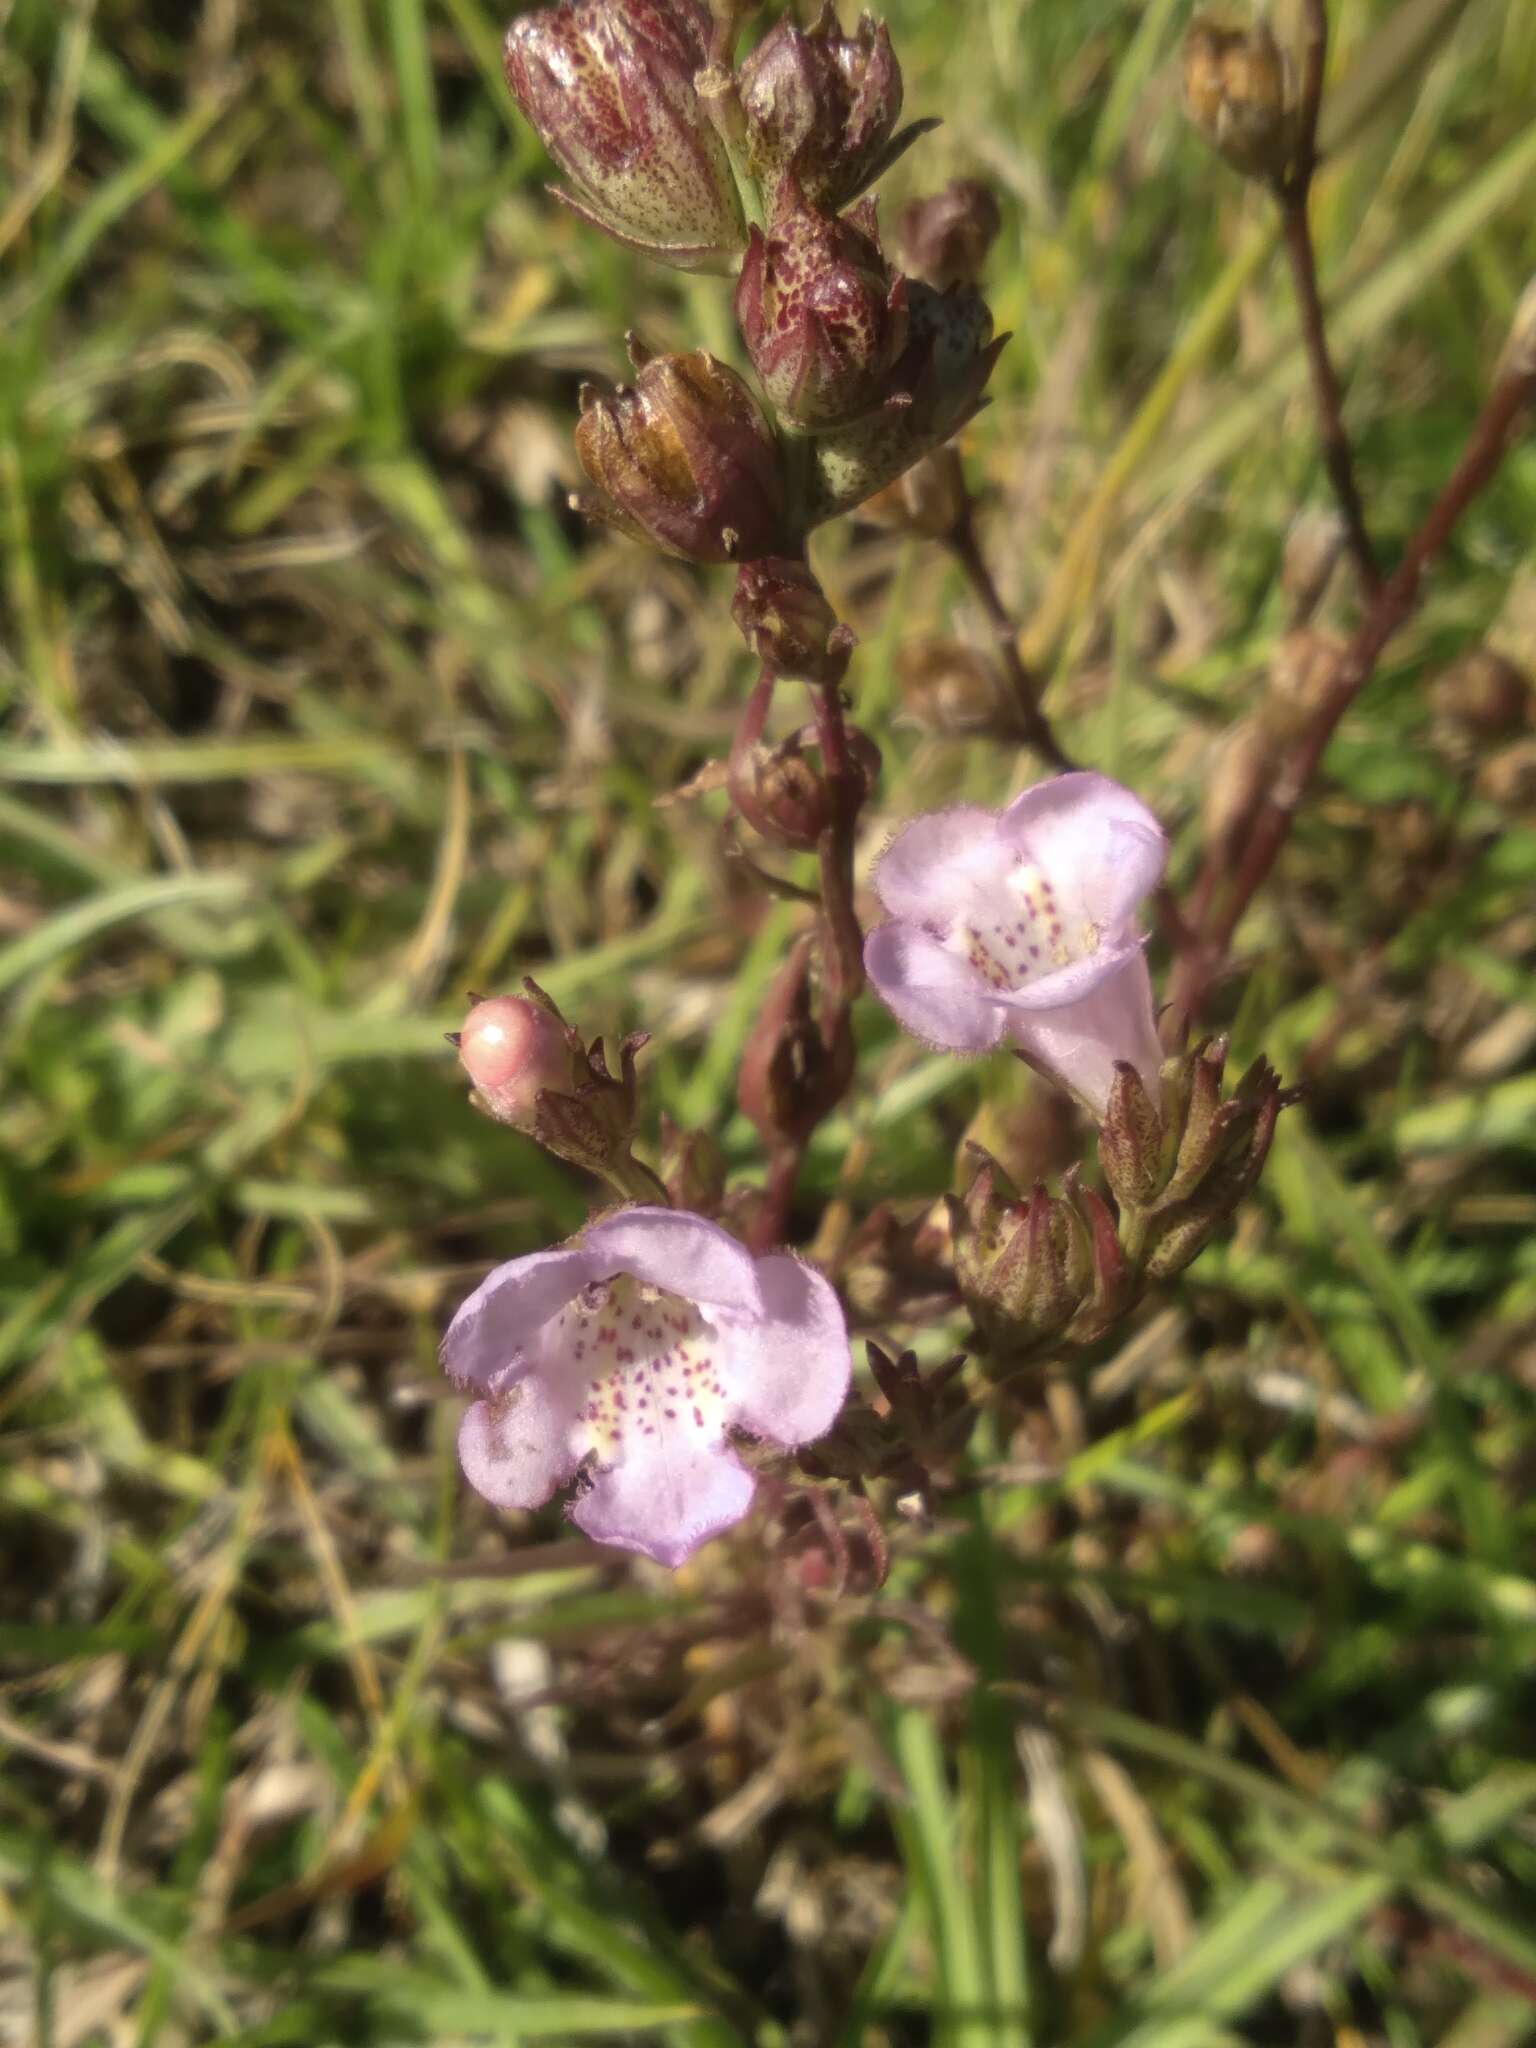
(1293,194)
(1486,447)
(1034,727)
(1327,392)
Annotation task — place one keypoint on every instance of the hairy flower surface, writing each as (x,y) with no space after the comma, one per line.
(608,84)
(635,1349)
(1020,924)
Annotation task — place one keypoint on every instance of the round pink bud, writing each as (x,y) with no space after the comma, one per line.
(511,1049)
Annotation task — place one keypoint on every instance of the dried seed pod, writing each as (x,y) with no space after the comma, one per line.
(823,318)
(1240,93)
(684,459)
(935,389)
(951,689)
(782,613)
(609,85)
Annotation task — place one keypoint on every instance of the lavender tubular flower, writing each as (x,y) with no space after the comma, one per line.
(823,107)
(633,1351)
(823,318)
(1020,925)
(684,459)
(608,84)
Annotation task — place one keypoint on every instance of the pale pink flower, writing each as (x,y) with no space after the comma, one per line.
(1020,925)
(632,1351)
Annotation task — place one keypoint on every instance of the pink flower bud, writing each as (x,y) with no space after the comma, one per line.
(511,1050)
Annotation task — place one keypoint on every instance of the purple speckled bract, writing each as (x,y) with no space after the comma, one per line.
(608,84)
(823,318)
(823,106)
(1019,925)
(936,386)
(631,1353)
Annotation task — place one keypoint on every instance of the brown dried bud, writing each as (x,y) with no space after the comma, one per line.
(951,689)
(784,796)
(946,238)
(609,85)
(1313,548)
(1241,772)
(929,499)
(822,107)
(1240,93)
(693,1168)
(783,615)
(931,1414)
(1133,1141)
(1181,1231)
(1023,1268)
(1221,1145)
(1508,778)
(789,1076)
(823,319)
(1115,1281)
(1301,674)
(684,459)
(1480,699)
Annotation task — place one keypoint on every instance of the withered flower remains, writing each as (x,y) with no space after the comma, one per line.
(684,458)
(823,107)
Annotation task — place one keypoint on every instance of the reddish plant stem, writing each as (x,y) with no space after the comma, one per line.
(1394,604)
(1293,195)
(1327,392)
(1034,727)
(841,952)
(771,1216)
(842,967)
